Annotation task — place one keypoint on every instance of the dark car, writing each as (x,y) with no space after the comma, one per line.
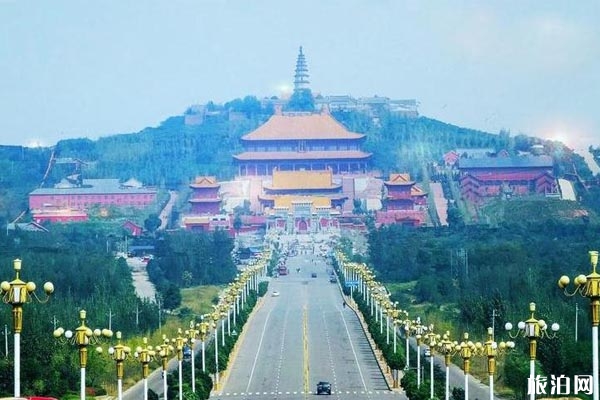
(313,275)
(323,388)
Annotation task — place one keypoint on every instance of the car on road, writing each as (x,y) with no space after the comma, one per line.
(323,387)
(275,293)
(332,279)
(427,353)
(313,275)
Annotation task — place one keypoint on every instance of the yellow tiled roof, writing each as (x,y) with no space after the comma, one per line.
(294,127)
(286,201)
(400,179)
(205,181)
(283,180)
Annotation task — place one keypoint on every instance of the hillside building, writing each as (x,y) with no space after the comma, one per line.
(405,202)
(205,198)
(69,202)
(205,206)
(295,141)
(486,177)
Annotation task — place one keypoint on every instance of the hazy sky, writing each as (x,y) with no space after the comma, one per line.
(95,68)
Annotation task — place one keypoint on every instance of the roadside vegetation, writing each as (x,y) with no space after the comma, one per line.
(467,278)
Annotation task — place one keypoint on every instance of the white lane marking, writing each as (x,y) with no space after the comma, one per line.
(262,336)
(362,378)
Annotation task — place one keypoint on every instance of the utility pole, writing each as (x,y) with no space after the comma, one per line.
(159,313)
(494,315)
(576,321)
(110,315)
(137,315)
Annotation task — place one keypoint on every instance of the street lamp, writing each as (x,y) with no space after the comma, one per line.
(533,329)
(491,349)
(192,333)
(164,353)
(466,348)
(448,349)
(407,333)
(119,353)
(589,286)
(432,341)
(145,354)
(215,324)
(418,329)
(84,336)
(204,328)
(179,342)
(16,293)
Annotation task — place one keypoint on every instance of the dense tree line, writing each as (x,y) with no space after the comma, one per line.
(77,259)
(184,259)
(23,170)
(469,273)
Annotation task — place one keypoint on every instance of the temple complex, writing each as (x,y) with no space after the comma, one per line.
(302,171)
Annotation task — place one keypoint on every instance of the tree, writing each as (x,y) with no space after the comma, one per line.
(301,100)
(152,223)
(237,223)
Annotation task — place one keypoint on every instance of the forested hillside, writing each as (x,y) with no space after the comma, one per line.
(173,154)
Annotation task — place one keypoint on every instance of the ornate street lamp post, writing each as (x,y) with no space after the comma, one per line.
(204,328)
(418,329)
(589,286)
(164,353)
(491,349)
(192,333)
(179,342)
(432,341)
(119,353)
(83,337)
(448,349)
(215,324)
(16,293)
(466,349)
(145,354)
(533,329)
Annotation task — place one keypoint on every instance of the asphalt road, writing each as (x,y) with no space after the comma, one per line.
(301,337)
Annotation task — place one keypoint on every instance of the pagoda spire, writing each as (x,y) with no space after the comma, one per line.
(301,77)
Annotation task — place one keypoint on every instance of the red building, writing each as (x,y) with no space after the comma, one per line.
(482,178)
(92,192)
(405,203)
(205,198)
(403,194)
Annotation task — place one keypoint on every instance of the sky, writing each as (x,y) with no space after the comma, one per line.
(72,69)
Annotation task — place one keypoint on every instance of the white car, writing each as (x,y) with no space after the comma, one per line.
(275,293)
